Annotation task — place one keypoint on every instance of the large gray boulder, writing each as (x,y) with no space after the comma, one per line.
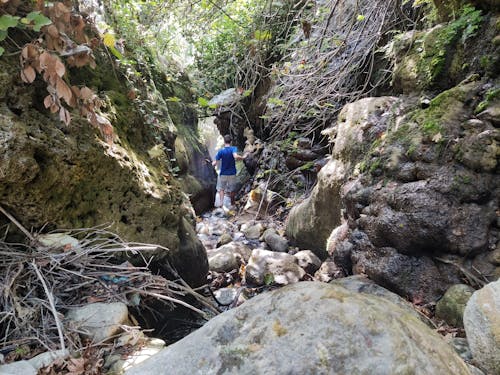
(310,223)
(414,187)
(271,334)
(482,326)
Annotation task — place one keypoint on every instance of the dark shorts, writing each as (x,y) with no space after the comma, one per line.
(226,183)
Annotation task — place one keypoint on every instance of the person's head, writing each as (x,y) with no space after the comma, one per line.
(227,139)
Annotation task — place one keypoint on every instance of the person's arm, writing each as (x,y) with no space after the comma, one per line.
(238,157)
(217,157)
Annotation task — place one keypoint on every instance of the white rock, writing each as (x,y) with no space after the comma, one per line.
(253,232)
(482,326)
(57,240)
(225,296)
(308,261)
(45,359)
(18,368)
(282,268)
(149,349)
(99,321)
(228,257)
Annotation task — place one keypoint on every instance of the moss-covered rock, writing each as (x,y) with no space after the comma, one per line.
(441,57)
(55,176)
(451,307)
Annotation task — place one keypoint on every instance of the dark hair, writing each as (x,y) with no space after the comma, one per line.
(227,139)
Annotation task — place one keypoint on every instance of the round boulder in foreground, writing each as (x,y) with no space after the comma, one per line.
(309,328)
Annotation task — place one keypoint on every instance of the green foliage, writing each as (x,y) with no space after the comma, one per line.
(438,42)
(268,278)
(37,20)
(490,96)
(7,21)
(33,20)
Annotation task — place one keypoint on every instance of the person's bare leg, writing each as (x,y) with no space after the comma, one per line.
(232,195)
(221,197)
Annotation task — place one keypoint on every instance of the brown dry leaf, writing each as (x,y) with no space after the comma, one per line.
(131,94)
(63,91)
(76,366)
(86,93)
(28,74)
(60,9)
(78,26)
(24,52)
(59,67)
(76,91)
(45,60)
(54,108)
(48,101)
(64,116)
(52,31)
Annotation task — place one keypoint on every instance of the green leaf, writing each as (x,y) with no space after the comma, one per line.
(7,21)
(174,99)
(39,20)
(116,53)
(268,278)
(203,102)
(1,51)
(262,35)
(247,93)
(360,18)
(3,35)
(212,106)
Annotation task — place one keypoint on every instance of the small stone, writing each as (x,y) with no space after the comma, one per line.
(308,261)
(225,296)
(451,306)
(494,257)
(275,241)
(100,321)
(224,239)
(253,232)
(474,124)
(328,272)
(461,346)
(228,257)
(266,267)
(425,102)
(57,240)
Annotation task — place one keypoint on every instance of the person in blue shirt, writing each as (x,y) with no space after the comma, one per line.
(227,176)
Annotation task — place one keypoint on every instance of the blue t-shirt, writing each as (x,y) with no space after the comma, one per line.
(228,166)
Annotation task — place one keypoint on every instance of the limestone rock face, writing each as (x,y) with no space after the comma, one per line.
(311,222)
(482,326)
(354,334)
(99,321)
(67,177)
(393,200)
